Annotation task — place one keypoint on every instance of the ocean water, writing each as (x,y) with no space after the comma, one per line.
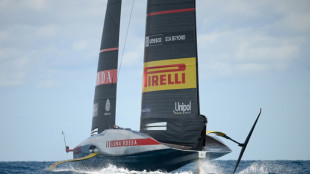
(205,167)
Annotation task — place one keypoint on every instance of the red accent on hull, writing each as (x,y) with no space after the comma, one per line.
(77,150)
(133,142)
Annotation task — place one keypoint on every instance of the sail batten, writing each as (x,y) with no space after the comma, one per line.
(106,81)
(170,85)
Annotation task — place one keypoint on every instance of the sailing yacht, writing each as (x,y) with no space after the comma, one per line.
(172,129)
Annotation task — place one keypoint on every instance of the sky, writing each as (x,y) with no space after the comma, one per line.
(252,54)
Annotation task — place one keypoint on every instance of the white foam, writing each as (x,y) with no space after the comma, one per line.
(261,167)
(111,169)
(208,167)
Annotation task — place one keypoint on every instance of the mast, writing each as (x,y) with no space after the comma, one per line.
(197,77)
(170,101)
(106,82)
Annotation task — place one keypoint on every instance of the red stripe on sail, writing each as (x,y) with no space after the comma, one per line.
(108,49)
(171,11)
(175,68)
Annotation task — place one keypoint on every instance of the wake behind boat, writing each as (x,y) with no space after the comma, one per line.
(172,130)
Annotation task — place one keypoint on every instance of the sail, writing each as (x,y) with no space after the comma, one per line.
(106,82)
(170,101)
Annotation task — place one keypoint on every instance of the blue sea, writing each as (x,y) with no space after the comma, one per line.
(205,167)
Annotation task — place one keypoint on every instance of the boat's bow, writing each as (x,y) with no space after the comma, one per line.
(215,148)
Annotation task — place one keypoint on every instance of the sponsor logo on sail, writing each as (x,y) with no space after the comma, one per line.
(182,108)
(169,74)
(170,38)
(175,38)
(154,40)
(146,109)
(106,77)
(107,105)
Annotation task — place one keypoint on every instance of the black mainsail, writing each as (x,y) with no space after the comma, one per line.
(105,92)
(170,101)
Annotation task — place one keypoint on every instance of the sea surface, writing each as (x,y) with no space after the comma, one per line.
(216,166)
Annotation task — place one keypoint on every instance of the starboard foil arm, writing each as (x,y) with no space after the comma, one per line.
(247,140)
(51,167)
(221,134)
(243,145)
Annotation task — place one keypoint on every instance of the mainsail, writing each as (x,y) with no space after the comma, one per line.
(170,101)
(105,92)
